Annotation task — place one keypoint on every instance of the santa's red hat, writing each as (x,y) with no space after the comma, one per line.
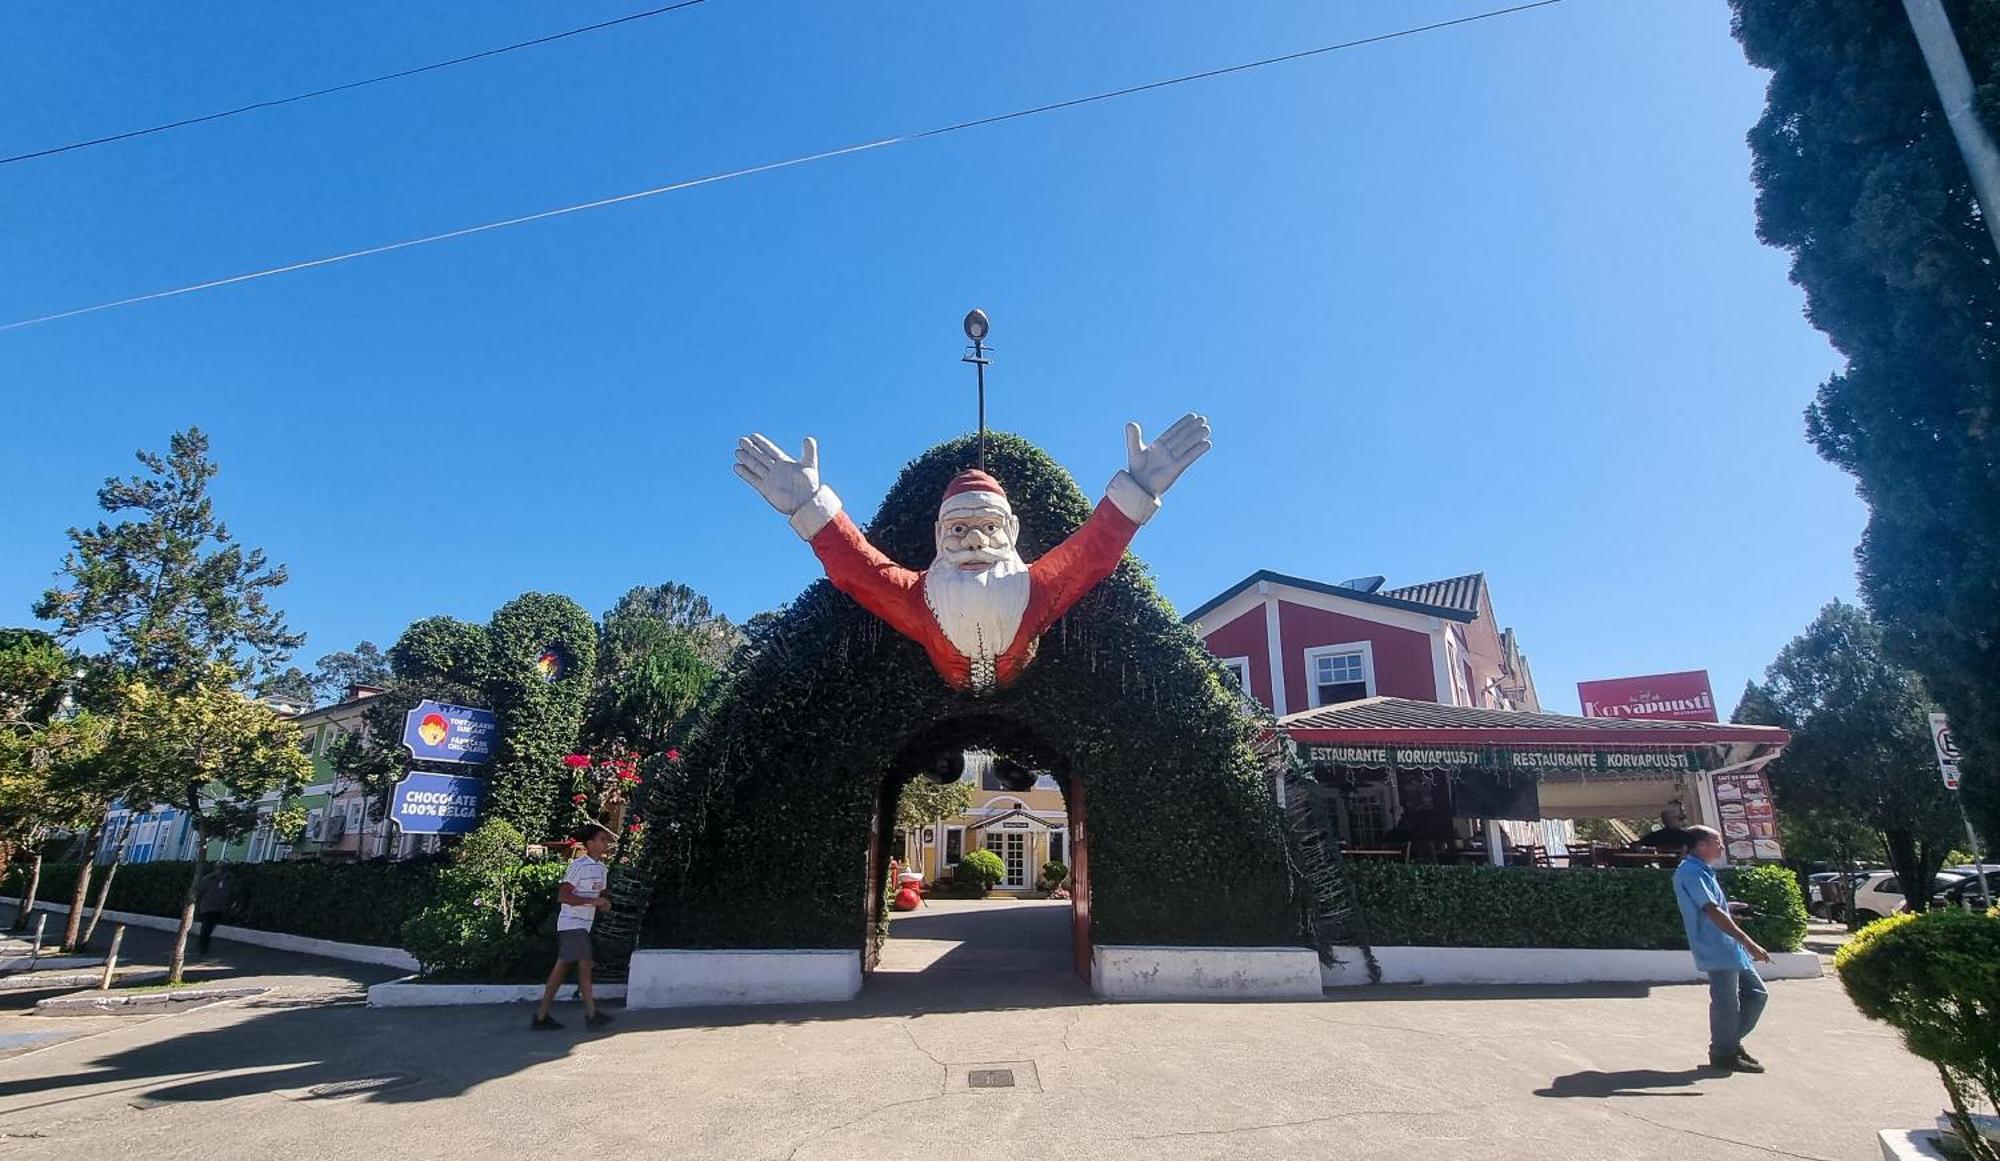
(971,491)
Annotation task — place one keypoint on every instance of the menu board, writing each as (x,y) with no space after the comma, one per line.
(1749,823)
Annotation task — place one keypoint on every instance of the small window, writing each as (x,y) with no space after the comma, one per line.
(954,845)
(1059,847)
(1889,886)
(1339,673)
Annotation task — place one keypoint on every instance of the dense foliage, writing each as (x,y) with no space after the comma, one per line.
(1861,743)
(494,928)
(1858,176)
(1936,978)
(827,712)
(343,669)
(1418,905)
(367,902)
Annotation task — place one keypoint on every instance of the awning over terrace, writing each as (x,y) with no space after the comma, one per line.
(1501,764)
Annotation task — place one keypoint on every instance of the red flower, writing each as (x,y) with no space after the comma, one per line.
(577,798)
(634,828)
(627,776)
(674,755)
(576,761)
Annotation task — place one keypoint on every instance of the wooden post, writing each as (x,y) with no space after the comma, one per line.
(41,922)
(111,960)
(28,900)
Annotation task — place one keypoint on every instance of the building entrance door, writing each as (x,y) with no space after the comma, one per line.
(1012,847)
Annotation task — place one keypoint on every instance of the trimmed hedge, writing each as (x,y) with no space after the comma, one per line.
(365,902)
(1417,905)
(1936,978)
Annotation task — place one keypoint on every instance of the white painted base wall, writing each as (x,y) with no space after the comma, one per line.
(406,993)
(394,957)
(1543,965)
(666,978)
(1204,973)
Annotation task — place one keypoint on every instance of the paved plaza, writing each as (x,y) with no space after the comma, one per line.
(1486,1073)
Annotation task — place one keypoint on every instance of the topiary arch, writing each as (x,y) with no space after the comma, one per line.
(794,769)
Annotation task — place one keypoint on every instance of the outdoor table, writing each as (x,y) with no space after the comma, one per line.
(1639,858)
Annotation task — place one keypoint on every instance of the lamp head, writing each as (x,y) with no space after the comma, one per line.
(976,325)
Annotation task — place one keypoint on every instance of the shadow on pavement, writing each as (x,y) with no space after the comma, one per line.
(1632,1082)
(1371,992)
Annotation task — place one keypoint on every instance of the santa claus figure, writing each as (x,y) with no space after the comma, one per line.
(979,608)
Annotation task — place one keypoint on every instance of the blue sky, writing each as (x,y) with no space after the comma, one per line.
(1486,298)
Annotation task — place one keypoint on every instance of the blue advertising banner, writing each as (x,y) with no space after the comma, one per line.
(437,803)
(437,732)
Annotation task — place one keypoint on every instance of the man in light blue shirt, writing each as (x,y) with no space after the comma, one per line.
(1736,993)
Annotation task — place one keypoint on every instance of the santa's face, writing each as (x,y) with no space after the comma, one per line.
(975,541)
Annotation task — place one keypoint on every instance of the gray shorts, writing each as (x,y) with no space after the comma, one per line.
(573,945)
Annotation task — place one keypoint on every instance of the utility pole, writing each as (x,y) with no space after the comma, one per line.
(1955,91)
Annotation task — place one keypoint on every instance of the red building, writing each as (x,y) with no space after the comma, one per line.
(1435,642)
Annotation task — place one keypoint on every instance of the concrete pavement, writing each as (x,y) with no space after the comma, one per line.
(1488,1073)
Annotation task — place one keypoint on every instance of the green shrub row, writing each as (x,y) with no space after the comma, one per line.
(366,902)
(1417,905)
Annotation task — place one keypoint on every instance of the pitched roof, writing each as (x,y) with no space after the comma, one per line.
(1458,592)
(1391,719)
(1385,600)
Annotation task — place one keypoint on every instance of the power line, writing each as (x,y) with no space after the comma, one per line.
(769,166)
(395,76)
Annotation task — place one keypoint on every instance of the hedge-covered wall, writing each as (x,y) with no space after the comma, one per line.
(824,714)
(351,902)
(1417,905)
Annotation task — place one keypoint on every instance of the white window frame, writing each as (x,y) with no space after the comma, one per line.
(1312,655)
(1241,667)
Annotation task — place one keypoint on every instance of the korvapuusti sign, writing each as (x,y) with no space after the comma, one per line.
(1548,761)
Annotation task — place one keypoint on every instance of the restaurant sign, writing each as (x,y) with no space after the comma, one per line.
(1674,697)
(1596,760)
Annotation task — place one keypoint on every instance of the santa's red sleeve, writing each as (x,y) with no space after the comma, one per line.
(858,568)
(1075,566)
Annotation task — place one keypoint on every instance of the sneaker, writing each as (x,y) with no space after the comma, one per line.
(598,1019)
(1743,1057)
(544,1024)
(1737,1063)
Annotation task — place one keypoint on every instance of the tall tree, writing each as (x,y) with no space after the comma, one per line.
(1859,178)
(344,669)
(214,753)
(659,648)
(169,588)
(1861,743)
(292,687)
(50,778)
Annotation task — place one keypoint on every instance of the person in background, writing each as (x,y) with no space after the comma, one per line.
(583,896)
(1736,993)
(1674,835)
(211,900)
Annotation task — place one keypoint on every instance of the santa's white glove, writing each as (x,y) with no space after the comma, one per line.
(1152,468)
(790,485)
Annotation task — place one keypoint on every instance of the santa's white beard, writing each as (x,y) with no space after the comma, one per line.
(979,611)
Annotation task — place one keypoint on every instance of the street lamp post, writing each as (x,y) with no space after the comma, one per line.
(975,329)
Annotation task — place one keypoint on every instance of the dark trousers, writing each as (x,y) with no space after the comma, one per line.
(208,921)
(1735,1000)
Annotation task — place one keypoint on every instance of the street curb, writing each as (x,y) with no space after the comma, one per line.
(14,965)
(151,1003)
(408,993)
(394,957)
(1544,965)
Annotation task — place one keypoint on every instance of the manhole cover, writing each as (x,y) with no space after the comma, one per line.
(990,1078)
(368,1084)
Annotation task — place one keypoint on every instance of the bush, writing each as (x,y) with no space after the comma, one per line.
(467,934)
(367,902)
(1936,978)
(1053,874)
(1413,904)
(978,871)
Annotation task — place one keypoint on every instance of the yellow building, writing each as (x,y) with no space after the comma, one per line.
(1028,829)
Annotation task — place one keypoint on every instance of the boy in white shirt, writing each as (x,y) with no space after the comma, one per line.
(583,896)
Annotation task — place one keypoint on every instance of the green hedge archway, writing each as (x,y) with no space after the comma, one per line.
(768,823)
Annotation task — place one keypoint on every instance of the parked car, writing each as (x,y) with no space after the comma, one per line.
(1964,892)
(1882,894)
(1825,897)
